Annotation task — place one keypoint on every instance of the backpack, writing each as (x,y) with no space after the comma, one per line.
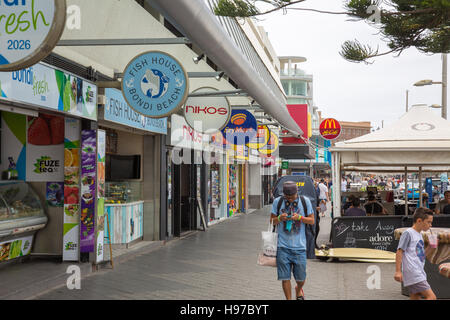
(310,233)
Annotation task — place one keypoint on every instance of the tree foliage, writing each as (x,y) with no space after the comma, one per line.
(423,24)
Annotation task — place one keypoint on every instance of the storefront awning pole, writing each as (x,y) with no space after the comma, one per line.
(406,191)
(420,188)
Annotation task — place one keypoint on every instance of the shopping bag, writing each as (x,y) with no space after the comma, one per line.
(269,241)
(268,255)
(266,261)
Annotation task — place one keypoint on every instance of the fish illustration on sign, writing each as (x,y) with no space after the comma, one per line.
(154,84)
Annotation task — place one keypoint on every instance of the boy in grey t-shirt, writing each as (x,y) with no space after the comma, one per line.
(410,257)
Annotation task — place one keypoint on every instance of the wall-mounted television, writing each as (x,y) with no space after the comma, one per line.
(123,167)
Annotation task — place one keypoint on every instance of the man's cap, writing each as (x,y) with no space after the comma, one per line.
(290,188)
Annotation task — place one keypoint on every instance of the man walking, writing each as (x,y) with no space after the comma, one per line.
(323,197)
(291,252)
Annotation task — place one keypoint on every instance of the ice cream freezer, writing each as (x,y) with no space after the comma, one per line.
(21,216)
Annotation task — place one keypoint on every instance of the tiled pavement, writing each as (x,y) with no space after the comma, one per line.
(221,264)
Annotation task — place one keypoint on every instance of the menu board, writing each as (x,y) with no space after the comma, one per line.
(88,189)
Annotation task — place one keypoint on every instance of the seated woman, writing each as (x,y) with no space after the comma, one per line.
(355,210)
(373,207)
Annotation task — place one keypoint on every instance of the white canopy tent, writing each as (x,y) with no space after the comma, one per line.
(418,142)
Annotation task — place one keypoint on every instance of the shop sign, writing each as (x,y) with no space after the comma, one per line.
(15,248)
(117,110)
(88,189)
(183,136)
(207,114)
(241,129)
(45,148)
(29,30)
(49,88)
(72,143)
(261,139)
(155,84)
(272,146)
(330,129)
(285,165)
(101,159)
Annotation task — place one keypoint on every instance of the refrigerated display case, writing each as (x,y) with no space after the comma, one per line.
(21,216)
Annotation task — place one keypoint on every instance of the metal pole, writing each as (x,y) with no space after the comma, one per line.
(407,100)
(420,188)
(444,85)
(406,191)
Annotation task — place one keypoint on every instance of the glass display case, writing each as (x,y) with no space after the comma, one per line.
(122,192)
(18,201)
(21,216)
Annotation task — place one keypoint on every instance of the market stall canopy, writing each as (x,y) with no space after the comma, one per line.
(418,139)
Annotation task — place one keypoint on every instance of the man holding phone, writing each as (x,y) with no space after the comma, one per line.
(291,251)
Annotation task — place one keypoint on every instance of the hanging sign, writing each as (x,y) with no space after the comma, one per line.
(29,30)
(207,114)
(261,139)
(330,129)
(241,129)
(272,146)
(155,84)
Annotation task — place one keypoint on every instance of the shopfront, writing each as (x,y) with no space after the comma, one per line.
(46,116)
(194,175)
(128,168)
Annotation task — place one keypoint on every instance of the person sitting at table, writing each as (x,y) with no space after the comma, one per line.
(443,205)
(348,203)
(373,207)
(355,210)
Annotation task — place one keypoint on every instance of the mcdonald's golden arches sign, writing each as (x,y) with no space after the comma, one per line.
(330,129)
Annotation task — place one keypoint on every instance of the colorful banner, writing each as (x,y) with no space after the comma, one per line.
(261,139)
(55,194)
(46,87)
(272,146)
(101,158)
(88,189)
(12,249)
(14,135)
(241,129)
(45,148)
(117,110)
(71,190)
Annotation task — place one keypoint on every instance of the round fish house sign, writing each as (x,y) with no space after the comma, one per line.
(155,84)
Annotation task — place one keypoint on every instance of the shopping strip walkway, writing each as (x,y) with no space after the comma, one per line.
(221,264)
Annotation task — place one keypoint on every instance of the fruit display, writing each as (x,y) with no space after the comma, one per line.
(71,195)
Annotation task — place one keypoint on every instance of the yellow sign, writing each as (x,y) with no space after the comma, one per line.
(271,146)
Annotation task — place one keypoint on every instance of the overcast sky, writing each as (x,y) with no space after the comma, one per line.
(350,91)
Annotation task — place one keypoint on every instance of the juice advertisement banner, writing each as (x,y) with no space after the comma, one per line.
(101,158)
(52,89)
(88,189)
(71,189)
(45,148)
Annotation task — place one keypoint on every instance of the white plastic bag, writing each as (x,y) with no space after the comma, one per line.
(269,241)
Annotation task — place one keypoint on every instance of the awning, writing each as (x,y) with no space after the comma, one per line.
(198,23)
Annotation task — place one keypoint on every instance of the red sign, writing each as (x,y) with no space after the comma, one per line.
(330,129)
(298,112)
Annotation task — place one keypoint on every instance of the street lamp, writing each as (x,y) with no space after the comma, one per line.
(443,83)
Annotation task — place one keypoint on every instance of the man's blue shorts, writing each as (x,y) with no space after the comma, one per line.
(291,261)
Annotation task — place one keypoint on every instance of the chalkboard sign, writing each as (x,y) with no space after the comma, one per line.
(374,232)
(366,232)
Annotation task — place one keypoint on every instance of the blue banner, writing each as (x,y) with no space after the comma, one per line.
(117,110)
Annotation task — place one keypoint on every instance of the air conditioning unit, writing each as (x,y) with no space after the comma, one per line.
(101,99)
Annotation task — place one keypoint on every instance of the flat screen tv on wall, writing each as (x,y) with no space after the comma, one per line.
(123,167)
